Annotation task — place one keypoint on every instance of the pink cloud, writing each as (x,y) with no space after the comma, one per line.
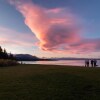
(54,10)
(51,26)
(56,29)
(82,47)
(11,37)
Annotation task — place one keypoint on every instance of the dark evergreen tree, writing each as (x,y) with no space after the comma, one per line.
(0,49)
(11,56)
(1,53)
(6,59)
(5,55)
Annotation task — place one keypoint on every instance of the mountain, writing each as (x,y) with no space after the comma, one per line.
(25,57)
(28,57)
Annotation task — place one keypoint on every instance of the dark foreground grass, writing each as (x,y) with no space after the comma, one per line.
(49,82)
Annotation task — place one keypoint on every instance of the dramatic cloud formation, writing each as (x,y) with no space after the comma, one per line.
(56,29)
(86,45)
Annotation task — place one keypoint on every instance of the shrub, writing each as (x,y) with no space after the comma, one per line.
(7,62)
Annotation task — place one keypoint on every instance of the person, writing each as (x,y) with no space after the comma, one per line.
(92,63)
(95,63)
(86,63)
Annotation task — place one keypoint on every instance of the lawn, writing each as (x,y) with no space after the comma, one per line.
(49,82)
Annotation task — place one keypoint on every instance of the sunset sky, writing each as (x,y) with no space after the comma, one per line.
(51,28)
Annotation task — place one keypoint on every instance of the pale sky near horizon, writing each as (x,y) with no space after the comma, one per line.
(51,28)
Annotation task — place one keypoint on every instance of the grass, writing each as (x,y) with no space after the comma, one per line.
(49,82)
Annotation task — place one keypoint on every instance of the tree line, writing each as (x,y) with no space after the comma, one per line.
(5,55)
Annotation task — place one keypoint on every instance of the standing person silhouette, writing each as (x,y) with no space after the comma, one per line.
(95,63)
(86,63)
(92,63)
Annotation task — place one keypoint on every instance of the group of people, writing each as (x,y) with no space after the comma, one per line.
(92,62)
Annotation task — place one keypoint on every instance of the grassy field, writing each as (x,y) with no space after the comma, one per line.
(49,82)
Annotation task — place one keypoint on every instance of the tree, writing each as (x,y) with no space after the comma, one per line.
(1,49)
(5,55)
(1,53)
(11,56)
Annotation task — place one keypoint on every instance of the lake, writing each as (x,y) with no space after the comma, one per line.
(60,62)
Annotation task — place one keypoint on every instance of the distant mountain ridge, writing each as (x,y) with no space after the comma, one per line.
(28,57)
(25,57)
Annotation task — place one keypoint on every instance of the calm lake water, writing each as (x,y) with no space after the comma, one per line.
(60,62)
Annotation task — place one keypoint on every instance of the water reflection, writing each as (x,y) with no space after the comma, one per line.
(60,62)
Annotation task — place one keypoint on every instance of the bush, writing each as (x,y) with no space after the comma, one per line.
(7,62)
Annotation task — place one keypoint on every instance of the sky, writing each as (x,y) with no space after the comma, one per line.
(51,28)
